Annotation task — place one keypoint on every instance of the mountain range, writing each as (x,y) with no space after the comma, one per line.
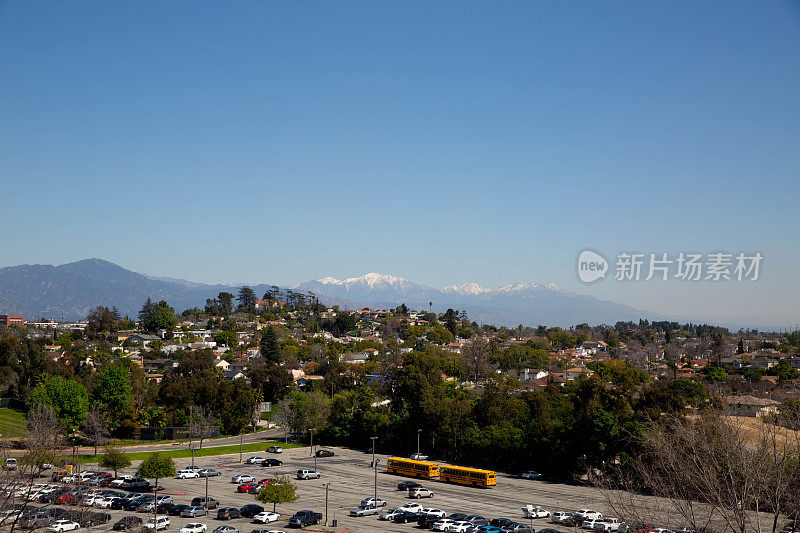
(72,289)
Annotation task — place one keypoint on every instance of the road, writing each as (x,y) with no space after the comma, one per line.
(248,438)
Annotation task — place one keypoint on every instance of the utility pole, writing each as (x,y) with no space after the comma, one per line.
(375,468)
(326,502)
(312,440)
(206,505)
(240,447)
(418,433)
(190,434)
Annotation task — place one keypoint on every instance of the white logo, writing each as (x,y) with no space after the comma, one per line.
(591,266)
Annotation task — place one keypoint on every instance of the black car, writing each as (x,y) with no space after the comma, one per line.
(458,517)
(177,509)
(227,513)
(165,508)
(516,527)
(501,522)
(127,522)
(426,521)
(406,485)
(405,517)
(324,453)
(133,504)
(304,518)
(271,462)
(250,510)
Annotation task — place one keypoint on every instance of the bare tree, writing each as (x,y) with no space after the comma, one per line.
(202,425)
(475,359)
(96,426)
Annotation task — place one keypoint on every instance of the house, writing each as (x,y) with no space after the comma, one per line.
(142,339)
(746,405)
(573,373)
(763,362)
(530,374)
(732,362)
(233,374)
(223,364)
(354,358)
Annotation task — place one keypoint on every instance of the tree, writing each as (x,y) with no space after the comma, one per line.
(475,358)
(153,317)
(202,425)
(100,319)
(96,426)
(113,390)
(115,459)
(451,321)
(246,298)
(280,490)
(226,303)
(69,399)
(270,347)
(274,381)
(155,467)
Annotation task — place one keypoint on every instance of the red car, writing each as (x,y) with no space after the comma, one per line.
(257,486)
(245,487)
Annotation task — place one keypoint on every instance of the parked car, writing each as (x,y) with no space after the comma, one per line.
(178,509)
(250,510)
(209,503)
(37,519)
(194,527)
(271,462)
(275,449)
(559,517)
(266,517)
(194,511)
(589,523)
(608,524)
(462,526)
(305,518)
(377,502)
(187,474)
(477,520)
(389,514)
(209,472)
(307,474)
(516,527)
(324,453)
(420,492)
(256,459)
(410,507)
(405,517)
(165,507)
(63,525)
(127,523)
(501,522)
(226,529)
(442,524)
(530,511)
(587,514)
(227,513)
(162,522)
(530,474)
(364,510)
(405,485)
(242,478)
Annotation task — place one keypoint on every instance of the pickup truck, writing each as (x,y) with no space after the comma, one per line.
(364,510)
(305,518)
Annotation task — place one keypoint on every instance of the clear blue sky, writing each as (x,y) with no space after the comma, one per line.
(444,142)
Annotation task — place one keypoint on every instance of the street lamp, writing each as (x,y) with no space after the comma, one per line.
(375,468)
(326,502)
(418,432)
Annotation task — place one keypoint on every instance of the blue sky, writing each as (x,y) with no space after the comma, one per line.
(444,142)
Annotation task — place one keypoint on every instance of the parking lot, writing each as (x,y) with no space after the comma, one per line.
(349,478)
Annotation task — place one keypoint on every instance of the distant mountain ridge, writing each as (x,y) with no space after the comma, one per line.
(73,289)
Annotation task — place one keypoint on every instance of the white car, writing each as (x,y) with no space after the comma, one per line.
(255,460)
(375,502)
(430,511)
(608,524)
(535,512)
(389,514)
(420,492)
(163,523)
(104,502)
(187,474)
(194,527)
(559,517)
(275,449)
(591,523)
(120,480)
(63,525)
(266,517)
(411,507)
(461,526)
(442,525)
(588,514)
(242,478)
(419,457)
(307,474)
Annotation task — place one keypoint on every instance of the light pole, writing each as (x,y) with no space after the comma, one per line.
(240,447)
(418,433)
(326,502)
(375,468)
(312,440)
(206,505)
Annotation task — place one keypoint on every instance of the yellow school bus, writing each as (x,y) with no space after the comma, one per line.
(468,476)
(412,468)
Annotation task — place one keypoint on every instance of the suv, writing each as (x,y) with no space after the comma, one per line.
(35,520)
(228,513)
(200,501)
(420,492)
(305,518)
(324,453)
(186,474)
(307,474)
(128,522)
(275,449)
(161,523)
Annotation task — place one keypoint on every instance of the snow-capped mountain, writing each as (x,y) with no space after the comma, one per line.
(521,302)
